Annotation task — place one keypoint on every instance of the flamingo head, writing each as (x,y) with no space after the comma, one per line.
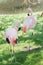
(17,25)
(28,14)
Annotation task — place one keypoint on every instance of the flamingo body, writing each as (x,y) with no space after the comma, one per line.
(29,23)
(12,35)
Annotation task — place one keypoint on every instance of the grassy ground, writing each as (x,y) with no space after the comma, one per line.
(33,57)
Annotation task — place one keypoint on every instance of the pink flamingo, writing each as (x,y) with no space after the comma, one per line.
(29,22)
(11,35)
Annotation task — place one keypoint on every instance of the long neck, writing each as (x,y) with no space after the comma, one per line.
(15,28)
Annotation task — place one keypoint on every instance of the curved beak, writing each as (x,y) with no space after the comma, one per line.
(19,28)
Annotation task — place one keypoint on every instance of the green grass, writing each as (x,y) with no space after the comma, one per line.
(34,57)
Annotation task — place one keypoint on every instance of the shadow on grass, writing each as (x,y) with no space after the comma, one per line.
(24,58)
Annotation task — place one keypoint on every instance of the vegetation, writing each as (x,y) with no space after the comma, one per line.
(33,57)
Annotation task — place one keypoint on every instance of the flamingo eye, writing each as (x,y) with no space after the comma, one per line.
(28,14)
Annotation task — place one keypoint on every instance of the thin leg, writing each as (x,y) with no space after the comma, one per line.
(11,56)
(11,53)
(32,33)
(29,46)
(14,54)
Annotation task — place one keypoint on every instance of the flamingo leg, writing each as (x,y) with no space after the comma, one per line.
(32,33)
(29,46)
(14,54)
(11,56)
(11,53)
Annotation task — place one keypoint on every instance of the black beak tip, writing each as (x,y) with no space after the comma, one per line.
(19,28)
(7,40)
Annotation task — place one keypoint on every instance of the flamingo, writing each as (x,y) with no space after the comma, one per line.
(11,35)
(41,14)
(29,23)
